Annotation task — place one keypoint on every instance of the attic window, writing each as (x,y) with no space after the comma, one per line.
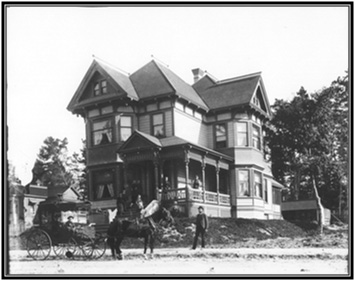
(256,101)
(100,88)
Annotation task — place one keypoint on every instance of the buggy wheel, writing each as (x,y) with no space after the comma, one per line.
(85,244)
(39,244)
(99,247)
(65,249)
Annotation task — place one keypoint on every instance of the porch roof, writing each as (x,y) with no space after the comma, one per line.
(169,142)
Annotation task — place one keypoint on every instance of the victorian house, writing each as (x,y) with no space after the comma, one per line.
(153,134)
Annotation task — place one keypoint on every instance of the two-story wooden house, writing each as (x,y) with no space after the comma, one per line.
(151,133)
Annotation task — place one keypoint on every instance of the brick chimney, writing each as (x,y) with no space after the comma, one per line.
(198,74)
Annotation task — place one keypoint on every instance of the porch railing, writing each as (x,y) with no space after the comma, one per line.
(196,195)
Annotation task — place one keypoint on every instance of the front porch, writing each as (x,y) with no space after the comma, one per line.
(167,170)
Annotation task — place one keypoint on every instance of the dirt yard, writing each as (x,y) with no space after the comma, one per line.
(184,261)
(183,267)
(236,247)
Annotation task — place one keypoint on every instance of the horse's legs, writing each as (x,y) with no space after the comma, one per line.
(145,244)
(152,241)
(111,243)
(117,246)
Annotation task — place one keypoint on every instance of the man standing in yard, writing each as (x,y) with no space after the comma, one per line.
(202,225)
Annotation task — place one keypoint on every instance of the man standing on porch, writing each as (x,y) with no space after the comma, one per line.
(202,225)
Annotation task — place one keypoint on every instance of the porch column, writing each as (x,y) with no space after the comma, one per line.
(186,161)
(203,165)
(218,180)
(124,167)
(156,173)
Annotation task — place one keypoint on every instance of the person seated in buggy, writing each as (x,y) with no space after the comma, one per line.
(70,224)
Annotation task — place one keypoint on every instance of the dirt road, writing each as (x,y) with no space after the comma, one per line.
(244,262)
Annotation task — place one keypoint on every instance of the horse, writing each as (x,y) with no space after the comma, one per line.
(144,228)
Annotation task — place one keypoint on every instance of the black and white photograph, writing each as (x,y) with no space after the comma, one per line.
(185,140)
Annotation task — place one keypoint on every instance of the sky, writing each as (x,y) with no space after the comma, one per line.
(49,50)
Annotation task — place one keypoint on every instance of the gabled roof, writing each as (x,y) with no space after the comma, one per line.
(138,140)
(205,82)
(119,81)
(231,92)
(154,79)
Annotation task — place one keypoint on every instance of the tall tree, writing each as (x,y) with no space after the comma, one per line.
(50,166)
(309,142)
(77,166)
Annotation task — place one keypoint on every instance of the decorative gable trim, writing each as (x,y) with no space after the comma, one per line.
(260,86)
(138,141)
(94,68)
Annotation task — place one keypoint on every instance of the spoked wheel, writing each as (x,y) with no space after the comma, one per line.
(39,244)
(85,244)
(65,249)
(99,247)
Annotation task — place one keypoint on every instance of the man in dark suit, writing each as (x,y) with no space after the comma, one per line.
(202,225)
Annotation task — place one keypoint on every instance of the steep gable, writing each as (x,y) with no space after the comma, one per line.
(235,92)
(118,85)
(154,80)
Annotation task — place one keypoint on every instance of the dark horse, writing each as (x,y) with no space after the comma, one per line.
(144,228)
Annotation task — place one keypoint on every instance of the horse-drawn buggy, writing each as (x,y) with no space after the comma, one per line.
(66,239)
(144,223)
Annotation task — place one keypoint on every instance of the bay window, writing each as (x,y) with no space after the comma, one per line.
(265,191)
(256,137)
(103,184)
(241,128)
(258,184)
(102,132)
(244,184)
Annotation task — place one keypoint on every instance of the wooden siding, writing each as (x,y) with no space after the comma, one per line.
(168,115)
(144,122)
(190,128)
(249,156)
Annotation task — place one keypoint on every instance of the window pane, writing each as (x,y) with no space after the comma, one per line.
(241,133)
(189,111)
(126,121)
(258,184)
(125,133)
(220,130)
(96,89)
(107,110)
(102,132)
(93,113)
(244,189)
(242,127)
(158,130)
(101,125)
(179,106)
(158,119)
(102,137)
(256,137)
(103,87)
(241,140)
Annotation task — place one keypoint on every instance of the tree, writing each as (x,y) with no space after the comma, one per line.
(308,144)
(77,166)
(50,166)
